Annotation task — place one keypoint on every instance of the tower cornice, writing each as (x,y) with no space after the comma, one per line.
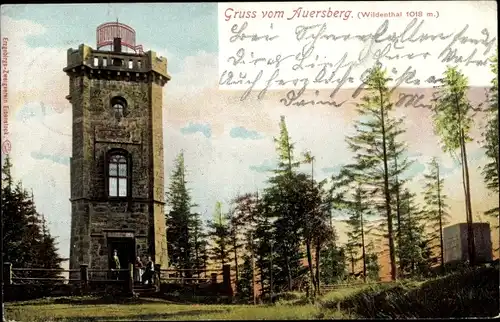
(117,65)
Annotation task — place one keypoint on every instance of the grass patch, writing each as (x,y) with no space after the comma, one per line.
(473,293)
(467,294)
(85,309)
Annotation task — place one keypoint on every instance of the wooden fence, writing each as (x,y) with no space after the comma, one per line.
(331,287)
(85,277)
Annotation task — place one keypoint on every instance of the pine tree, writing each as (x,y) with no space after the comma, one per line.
(309,229)
(47,253)
(372,265)
(375,131)
(26,239)
(333,261)
(322,239)
(281,202)
(179,218)
(453,119)
(397,166)
(235,244)
(199,241)
(490,140)
(245,221)
(245,283)
(435,209)
(13,221)
(410,251)
(220,237)
(355,203)
(265,250)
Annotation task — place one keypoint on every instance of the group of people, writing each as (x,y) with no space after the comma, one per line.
(143,273)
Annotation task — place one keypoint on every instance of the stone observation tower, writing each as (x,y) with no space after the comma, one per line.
(117,190)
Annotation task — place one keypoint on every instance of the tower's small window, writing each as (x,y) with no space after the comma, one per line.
(117,62)
(118,176)
(119,106)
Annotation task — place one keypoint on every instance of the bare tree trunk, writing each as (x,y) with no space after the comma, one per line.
(363,248)
(318,252)
(390,233)
(465,176)
(352,263)
(253,272)
(309,261)
(471,242)
(235,244)
(440,212)
(398,210)
(271,278)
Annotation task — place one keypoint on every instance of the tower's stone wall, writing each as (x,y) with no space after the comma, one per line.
(94,81)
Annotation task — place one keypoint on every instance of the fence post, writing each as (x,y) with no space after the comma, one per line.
(157,277)
(7,273)
(213,278)
(84,276)
(226,279)
(130,279)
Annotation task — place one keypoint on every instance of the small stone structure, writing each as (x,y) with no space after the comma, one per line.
(456,246)
(117,173)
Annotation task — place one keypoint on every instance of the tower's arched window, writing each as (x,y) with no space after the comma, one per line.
(118,110)
(118,175)
(119,106)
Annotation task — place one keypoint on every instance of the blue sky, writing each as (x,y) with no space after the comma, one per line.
(72,24)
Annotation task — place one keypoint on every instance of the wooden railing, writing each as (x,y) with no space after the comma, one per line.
(331,287)
(85,276)
(20,276)
(189,276)
(198,277)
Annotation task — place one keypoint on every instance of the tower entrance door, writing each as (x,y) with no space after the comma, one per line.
(125,247)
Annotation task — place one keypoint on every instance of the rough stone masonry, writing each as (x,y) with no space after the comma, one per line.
(96,79)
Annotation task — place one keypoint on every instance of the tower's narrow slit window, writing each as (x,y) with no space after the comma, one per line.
(118,176)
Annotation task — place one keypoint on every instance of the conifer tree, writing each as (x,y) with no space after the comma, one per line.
(411,250)
(372,265)
(359,211)
(245,221)
(265,250)
(490,140)
(235,244)
(27,241)
(398,164)
(220,236)
(435,210)
(371,144)
(179,218)
(280,198)
(199,241)
(332,263)
(245,283)
(453,119)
